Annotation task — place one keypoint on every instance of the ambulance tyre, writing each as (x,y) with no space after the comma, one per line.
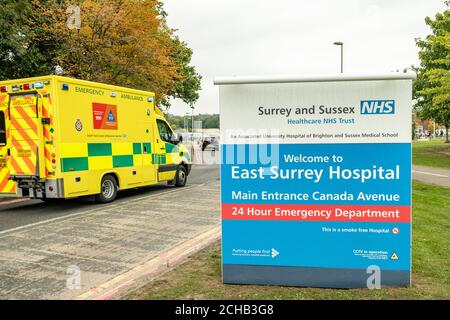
(108,190)
(181,177)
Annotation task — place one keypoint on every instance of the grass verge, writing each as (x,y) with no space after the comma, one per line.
(434,153)
(200,276)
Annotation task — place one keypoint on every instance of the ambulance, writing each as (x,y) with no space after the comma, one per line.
(65,138)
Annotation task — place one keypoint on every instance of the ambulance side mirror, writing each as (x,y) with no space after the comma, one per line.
(177,139)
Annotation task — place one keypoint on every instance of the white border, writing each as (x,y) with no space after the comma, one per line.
(313,78)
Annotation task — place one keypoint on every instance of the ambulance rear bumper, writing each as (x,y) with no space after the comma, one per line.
(32,187)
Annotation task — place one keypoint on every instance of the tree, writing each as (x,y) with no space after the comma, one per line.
(120,42)
(27,46)
(212,121)
(209,121)
(128,43)
(432,87)
(189,83)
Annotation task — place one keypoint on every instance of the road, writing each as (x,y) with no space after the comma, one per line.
(33,211)
(43,245)
(437,176)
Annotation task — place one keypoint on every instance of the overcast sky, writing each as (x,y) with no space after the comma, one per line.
(259,37)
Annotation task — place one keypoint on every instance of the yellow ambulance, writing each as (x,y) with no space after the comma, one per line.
(66,138)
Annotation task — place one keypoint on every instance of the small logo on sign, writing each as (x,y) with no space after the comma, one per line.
(111,117)
(394,256)
(378,107)
(105,116)
(79,125)
(395,230)
(275,253)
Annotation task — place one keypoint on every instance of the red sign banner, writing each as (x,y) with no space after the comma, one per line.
(105,116)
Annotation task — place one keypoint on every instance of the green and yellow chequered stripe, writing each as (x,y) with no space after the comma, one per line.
(100,156)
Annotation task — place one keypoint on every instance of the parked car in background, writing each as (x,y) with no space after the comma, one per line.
(210,142)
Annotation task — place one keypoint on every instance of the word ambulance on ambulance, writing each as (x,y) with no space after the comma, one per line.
(67,138)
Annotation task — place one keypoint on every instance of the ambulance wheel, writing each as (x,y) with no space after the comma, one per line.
(181,177)
(108,190)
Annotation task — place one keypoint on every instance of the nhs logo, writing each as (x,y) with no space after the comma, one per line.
(378,107)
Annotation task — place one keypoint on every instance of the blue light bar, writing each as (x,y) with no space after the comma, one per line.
(38,85)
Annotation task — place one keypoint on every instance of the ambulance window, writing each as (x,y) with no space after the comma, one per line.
(164,131)
(2,129)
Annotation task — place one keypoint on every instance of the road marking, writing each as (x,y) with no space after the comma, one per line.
(94,210)
(431,174)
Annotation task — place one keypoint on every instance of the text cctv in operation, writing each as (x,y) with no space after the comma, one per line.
(334,173)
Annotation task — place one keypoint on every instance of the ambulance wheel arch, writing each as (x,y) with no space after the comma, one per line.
(114,174)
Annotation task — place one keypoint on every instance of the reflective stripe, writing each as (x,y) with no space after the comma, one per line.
(24,134)
(6,185)
(74,164)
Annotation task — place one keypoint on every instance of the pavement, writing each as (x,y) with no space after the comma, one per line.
(121,285)
(80,250)
(437,176)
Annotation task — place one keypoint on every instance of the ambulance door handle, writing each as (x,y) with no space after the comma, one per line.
(163,148)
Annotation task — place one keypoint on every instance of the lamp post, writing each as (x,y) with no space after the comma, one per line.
(192,137)
(186,122)
(341,44)
(192,119)
(408,68)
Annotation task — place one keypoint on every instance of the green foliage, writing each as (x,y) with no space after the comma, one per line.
(212,122)
(188,86)
(122,42)
(432,153)
(209,121)
(432,88)
(27,47)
